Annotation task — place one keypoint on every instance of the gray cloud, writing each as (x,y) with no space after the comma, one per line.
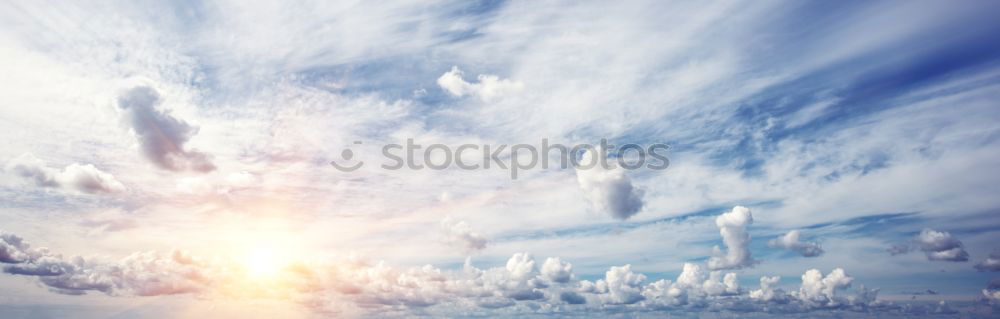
(608,189)
(941,246)
(161,136)
(936,245)
(12,248)
(991,263)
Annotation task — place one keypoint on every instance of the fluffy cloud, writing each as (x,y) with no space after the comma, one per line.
(459,233)
(767,291)
(822,290)
(733,228)
(937,245)
(12,248)
(623,285)
(84,178)
(161,136)
(556,270)
(991,263)
(941,246)
(608,188)
(790,241)
(490,87)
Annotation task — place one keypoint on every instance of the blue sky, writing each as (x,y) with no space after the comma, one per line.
(170,159)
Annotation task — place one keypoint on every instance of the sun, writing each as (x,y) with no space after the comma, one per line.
(265,262)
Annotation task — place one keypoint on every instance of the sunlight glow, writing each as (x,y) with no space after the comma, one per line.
(265,262)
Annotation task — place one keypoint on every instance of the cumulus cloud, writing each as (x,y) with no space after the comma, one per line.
(161,135)
(458,233)
(821,290)
(608,188)
(733,228)
(936,245)
(12,248)
(767,291)
(991,263)
(84,178)
(556,270)
(790,241)
(623,285)
(941,246)
(490,87)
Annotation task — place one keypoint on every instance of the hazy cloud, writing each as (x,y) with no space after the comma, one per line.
(991,263)
(460,234)
(161,135)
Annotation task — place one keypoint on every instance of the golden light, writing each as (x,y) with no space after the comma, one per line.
(265,262)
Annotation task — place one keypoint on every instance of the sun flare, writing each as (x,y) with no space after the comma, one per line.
(265,263)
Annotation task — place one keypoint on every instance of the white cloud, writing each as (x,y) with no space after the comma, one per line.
(460,234)
(84,178)
(822,290)
(767,291)
(556,270)
(161,135)
(489,88)
(790,241)
(733,228)
(608,188)
(624,286)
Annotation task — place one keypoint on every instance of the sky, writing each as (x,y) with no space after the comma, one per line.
(172,159)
